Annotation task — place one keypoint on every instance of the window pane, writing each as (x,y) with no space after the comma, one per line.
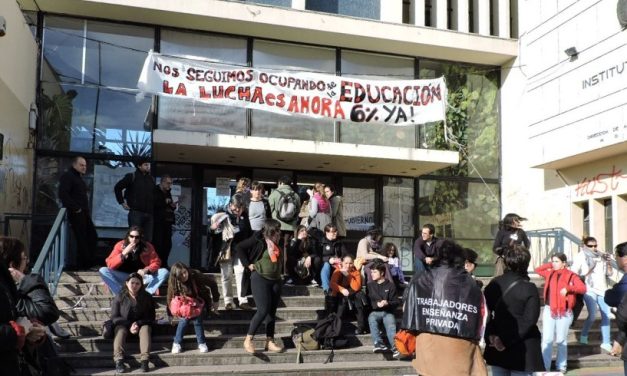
(279,3)
(356,8)
(473,91)
(359,203)
(189,115)
(377,67)
(273,55)
(116,53)
(398,206)
(405,248)
(63,49)
(460,210)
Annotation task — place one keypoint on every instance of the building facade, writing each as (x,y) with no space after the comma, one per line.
(91,54)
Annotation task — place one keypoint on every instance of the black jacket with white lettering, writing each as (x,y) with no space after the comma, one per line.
(444,300)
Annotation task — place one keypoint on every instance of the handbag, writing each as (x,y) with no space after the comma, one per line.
(107,329)
(186,307)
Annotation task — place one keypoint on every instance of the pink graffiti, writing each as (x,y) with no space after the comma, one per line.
(597,184)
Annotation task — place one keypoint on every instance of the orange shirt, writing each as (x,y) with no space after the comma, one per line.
(339,282)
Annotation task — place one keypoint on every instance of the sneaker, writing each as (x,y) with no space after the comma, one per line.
(289,282)
(176,348)
(313,283)
(396,355)
(165,320)
(228,306)
(583,340)
(144,366)
(562,370)
(379,348)
(606,347)
(245,307)
(119,366)
(203,348)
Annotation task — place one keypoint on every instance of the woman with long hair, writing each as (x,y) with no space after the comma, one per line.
(319,207)
(510,233)
(560,289)
(262,256)
(132,311)
(201,287)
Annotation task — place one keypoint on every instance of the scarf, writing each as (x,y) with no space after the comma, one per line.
(273,250)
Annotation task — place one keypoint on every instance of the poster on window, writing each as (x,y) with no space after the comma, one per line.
(358,208)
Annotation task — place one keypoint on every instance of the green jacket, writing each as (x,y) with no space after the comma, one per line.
(273,199)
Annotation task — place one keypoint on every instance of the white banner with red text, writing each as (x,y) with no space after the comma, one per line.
(391,102)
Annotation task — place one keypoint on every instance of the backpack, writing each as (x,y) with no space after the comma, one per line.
(328,333)
(405,342)
(286,208)
(302,336)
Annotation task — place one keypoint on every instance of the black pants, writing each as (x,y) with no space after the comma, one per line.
(267,294)
(314,269)
(86,238)
(162,240)
(345,304)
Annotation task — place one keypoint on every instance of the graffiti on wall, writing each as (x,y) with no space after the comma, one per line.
(604,182)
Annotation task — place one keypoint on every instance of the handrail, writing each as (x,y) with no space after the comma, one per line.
(51,260)
(551,240)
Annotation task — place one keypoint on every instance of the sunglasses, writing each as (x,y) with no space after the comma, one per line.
(591,245)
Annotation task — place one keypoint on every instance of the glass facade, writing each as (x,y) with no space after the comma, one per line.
(89,105)
(355,8)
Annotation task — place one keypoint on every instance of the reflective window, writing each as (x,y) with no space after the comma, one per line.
(377,67)
(88,89)
(189,115)
(473,118)
(355,8)
(465,211)
(398,206)
(271,55)
(279,3)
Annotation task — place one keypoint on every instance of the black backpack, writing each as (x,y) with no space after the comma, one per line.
(328,333)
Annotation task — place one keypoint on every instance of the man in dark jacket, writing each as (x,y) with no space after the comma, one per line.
(425,249)
(614,298)
(73,196)
(163,219)
(135,192)
(383,300)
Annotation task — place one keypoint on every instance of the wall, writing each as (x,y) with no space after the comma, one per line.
(564,122)
(17,92)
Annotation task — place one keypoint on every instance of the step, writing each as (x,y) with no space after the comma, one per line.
(283,313)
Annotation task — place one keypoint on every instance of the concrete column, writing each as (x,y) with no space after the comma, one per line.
(417,12)
(576,219)
(501,21)
(459,19)
(597,222)
(619,220)
(439,17)
(481,16)
(298,4)
(391,10)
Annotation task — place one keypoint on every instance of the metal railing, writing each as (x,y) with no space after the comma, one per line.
(51,260)
(545,242)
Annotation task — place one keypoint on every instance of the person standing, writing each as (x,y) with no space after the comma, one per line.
(424,249)
(258,207)
(594,266)
(261,255)
(512,336)
(74,197)
(614,298)
(560,289)
(163,219)
(285,206)
(510,233)
(135,192)
(337,210)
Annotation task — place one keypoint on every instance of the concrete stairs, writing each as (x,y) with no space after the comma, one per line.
(85,304)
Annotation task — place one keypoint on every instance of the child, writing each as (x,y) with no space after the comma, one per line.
(191,283)
(394,264)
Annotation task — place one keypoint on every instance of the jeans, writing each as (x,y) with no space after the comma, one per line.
(419,267)
(180,330)
(325,276)
(143,220)
(498,371)
(114,279)
(554,328)
(593,300)
(389,323)
(227,269)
